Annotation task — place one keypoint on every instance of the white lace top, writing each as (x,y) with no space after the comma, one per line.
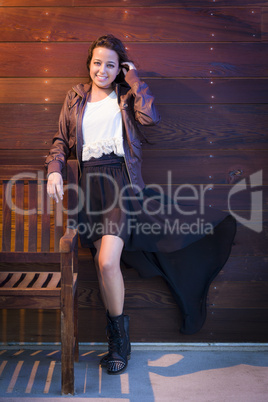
(102,128)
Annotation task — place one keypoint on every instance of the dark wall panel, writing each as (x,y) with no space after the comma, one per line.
(166,91)
(197,60)
(239,126)
(206,63)
(174,24)
(134,3)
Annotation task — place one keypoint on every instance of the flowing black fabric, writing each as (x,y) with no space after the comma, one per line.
(160,238)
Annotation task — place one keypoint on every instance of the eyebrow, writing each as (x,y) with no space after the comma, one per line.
(109,61)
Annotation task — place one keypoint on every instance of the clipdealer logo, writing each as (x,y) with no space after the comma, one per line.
(255,222)
(253,184)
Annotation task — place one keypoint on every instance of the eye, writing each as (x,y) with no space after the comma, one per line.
(97,63)
(110,65)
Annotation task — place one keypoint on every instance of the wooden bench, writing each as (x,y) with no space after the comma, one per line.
(32,234)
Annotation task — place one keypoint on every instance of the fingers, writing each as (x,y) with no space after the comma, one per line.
(128,65)
(56,192)
(59,190)
(55,187)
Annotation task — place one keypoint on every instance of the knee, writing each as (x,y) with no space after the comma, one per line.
(108,267)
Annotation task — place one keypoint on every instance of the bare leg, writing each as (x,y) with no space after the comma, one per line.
(96,261)
(107,260)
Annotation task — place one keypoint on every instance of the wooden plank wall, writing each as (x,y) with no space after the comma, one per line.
(206,62)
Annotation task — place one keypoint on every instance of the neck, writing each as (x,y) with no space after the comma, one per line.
(98,94)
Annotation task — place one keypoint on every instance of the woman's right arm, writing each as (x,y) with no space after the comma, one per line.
(59,153)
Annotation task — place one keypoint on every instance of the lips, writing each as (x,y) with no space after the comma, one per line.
(101,78)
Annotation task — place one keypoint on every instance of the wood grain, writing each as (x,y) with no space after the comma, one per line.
(166,91)
(172,24)
(222,325)
(134,3)
(141,295)
(206,63)
(238,268)
(181,127)
(208,168)
(19,218)
(166,60)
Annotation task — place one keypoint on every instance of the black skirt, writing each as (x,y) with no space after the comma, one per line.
(187,244)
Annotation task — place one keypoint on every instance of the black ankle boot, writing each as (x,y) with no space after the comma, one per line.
(119,345)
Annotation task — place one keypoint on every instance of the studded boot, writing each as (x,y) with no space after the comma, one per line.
(119,348)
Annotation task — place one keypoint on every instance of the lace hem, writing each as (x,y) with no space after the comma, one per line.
(97,149)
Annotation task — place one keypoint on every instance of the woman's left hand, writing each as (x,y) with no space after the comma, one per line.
(129,66)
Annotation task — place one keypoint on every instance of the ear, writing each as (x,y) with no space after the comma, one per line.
(119,70)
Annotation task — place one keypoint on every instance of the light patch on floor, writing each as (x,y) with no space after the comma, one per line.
(165,360)
(69,399)
(242,383)
(151,376)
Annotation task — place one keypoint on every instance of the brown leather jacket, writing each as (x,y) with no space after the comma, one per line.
(137,106)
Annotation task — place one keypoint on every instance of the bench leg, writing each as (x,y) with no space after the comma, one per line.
(67,325)
(76,345)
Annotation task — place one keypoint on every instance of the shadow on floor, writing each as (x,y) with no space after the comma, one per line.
(154,374)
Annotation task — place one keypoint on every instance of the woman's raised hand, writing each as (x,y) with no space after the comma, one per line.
(55,186)
(129,66)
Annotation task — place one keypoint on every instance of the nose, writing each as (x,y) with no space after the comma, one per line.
(102,68)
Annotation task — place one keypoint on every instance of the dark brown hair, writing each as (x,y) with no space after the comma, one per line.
(110,42)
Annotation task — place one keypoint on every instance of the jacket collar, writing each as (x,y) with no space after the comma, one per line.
(82,90)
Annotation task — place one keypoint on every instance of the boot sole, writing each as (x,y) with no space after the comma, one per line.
(104,364)
(119,371)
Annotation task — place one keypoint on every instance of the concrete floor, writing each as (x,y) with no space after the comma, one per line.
(156,372)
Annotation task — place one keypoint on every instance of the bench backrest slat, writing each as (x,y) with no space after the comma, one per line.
(19,217)
(6,222)
(45,220)
(32,219)
(58,225)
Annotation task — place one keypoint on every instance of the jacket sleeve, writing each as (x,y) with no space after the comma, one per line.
(144,107)
(60,148)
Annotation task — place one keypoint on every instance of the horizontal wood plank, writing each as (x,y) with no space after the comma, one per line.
(166,60)
(249,242)
(237,268)
(238,127)
(209,167)
(50,300)
(264,24)
(23,257)
(166,91)
(45,3)
(222,325)
(155,24)
(146,325)
(134,3)
(244,268)
(225,294)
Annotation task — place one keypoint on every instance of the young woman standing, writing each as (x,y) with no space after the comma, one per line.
(99,123)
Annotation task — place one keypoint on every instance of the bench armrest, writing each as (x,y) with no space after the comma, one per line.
(69,241)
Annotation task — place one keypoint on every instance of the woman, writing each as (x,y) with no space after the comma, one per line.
(100,122)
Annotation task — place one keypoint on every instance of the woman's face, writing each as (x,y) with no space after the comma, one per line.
(104,67)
